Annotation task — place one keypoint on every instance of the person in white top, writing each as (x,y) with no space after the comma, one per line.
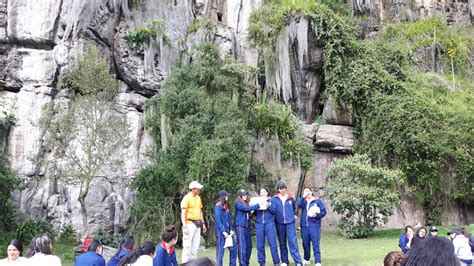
(142,256)
(14,252)
(462,249)
(41,252)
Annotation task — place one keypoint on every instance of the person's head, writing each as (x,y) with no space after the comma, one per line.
(223,197)
(421,232)
(437,251)
(205,261)
(453,233)
(127,243)
(95,246)
(263,192)
(242,194)
(394,259)
(14,249)
(433,231)
(195,187)
(40,244)
(409,230)
(307,193)
(170,235)
(281,188)
(147,248)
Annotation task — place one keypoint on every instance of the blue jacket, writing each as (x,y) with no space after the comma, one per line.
(90,258)
(242,213)
(222,219)
(284,214)
(266,216)
(114,261)
(163,258)
(402,243)
(305,220)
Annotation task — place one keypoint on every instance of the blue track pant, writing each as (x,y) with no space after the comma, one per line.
(244,244)
(266,231)
(311,235)
(284,232)
(220,239)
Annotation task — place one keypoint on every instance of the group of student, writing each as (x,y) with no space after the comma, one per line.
(421,248)
(40,253)
(274,219)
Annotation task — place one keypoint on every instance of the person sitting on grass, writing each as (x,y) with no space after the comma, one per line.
(419,237)
(93,256)
(165,254)
(14,252)
(433,231)
(142,256)
(41,252)
(126,245)
(461,247)
(405,239)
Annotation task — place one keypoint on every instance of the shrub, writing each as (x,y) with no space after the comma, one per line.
(362,194)
(68,235)
(28,229)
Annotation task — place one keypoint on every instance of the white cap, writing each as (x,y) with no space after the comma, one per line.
(195,184)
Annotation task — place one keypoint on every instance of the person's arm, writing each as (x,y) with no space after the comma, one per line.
(184,205)
(158,259)
(322,209)
(271,207)
(300,203)
(402,244)
(204,228)
(102,262)
(217,219)
(242,207)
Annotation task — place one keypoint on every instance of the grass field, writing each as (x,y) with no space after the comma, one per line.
(335,249)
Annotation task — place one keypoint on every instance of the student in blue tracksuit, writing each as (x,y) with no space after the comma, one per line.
(223,228)
(93,255)
(242,226)
(165,254)
(313,209)
(126,245)
(265,228)
(285,224)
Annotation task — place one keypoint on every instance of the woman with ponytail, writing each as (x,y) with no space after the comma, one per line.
(165,254)
(142,256)
(126,245)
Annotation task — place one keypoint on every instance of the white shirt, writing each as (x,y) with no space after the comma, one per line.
(20,262)
(462,248)
(40,259)
(144,260)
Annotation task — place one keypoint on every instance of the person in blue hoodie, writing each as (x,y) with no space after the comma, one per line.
(93,256)
(313,209)
(285,224)
(265,228)
(165,254)
(126,245)
(404,242)
(242,226)
(223,228)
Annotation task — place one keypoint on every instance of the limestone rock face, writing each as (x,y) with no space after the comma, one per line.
(334,138)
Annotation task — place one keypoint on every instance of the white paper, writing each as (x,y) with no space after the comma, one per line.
(260,200)
(229,242)
(313,211)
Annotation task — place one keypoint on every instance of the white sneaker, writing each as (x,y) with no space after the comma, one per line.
(306,262)
(283,264)
(317,264)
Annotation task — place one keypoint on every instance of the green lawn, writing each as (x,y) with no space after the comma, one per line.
(336,250)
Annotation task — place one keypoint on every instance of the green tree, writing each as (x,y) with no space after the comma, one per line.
(199,125)
(362,194)
(86,132)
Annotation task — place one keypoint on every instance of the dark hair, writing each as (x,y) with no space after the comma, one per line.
(437,251)
(394,259)
(169,233)
(147,248)
(40,244)
(94,245)
(17,244)
(407,227)
(419,230)
(205,261)
(127,242)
